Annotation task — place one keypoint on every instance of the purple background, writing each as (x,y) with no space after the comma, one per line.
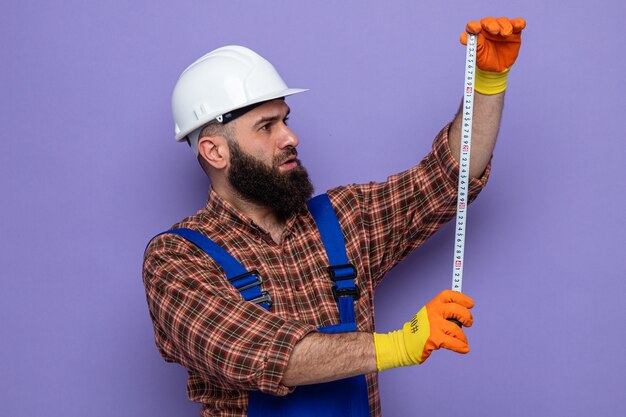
(90,171)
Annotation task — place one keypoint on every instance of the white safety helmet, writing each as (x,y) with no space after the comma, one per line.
(226,79)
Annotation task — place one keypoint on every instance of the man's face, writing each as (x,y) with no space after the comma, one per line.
(264,134)
(267,171)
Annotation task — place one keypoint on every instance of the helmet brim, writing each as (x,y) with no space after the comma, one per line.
(266,97)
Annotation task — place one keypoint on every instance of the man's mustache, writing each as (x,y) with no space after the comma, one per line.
(285,156)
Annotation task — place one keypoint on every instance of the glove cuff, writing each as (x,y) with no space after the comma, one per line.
(490,83)
(404,347)
(391,351)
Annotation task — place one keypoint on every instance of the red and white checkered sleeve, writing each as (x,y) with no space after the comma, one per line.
(399,214)
(202,322)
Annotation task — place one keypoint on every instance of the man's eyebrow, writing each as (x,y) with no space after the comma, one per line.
(271,118)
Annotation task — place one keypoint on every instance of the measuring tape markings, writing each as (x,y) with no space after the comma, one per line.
(464,175)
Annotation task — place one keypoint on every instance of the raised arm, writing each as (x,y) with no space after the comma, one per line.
(498,45)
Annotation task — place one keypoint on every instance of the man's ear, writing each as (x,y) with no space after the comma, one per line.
(214,150)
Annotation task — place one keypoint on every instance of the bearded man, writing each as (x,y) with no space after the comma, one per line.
(266,295)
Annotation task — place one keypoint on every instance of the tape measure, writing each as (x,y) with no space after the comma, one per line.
(464,164)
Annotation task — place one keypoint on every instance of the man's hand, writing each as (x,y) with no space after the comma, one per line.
(499,41)
(429,330)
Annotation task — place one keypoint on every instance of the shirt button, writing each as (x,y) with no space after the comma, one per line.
(299,287)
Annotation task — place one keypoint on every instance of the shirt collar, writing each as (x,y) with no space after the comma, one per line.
(225,213)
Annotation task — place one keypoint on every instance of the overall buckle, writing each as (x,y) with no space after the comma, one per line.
(341,272)
(263,298)
(345,272)
(254,273)
(344,292)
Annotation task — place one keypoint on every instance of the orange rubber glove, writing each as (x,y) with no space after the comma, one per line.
(429,330)
(499,41)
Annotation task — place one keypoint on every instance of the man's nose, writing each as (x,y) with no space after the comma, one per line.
(287,138)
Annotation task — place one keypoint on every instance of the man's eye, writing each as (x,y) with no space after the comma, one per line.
(285,120)
(266,126)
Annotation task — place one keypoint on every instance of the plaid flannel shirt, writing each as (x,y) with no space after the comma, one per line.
(230,346)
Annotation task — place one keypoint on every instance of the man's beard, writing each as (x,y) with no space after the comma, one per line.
(286,193)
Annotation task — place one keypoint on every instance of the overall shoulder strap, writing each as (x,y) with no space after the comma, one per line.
(247,283)
(341,271)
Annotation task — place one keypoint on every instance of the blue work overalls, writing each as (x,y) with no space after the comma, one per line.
(346,397)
